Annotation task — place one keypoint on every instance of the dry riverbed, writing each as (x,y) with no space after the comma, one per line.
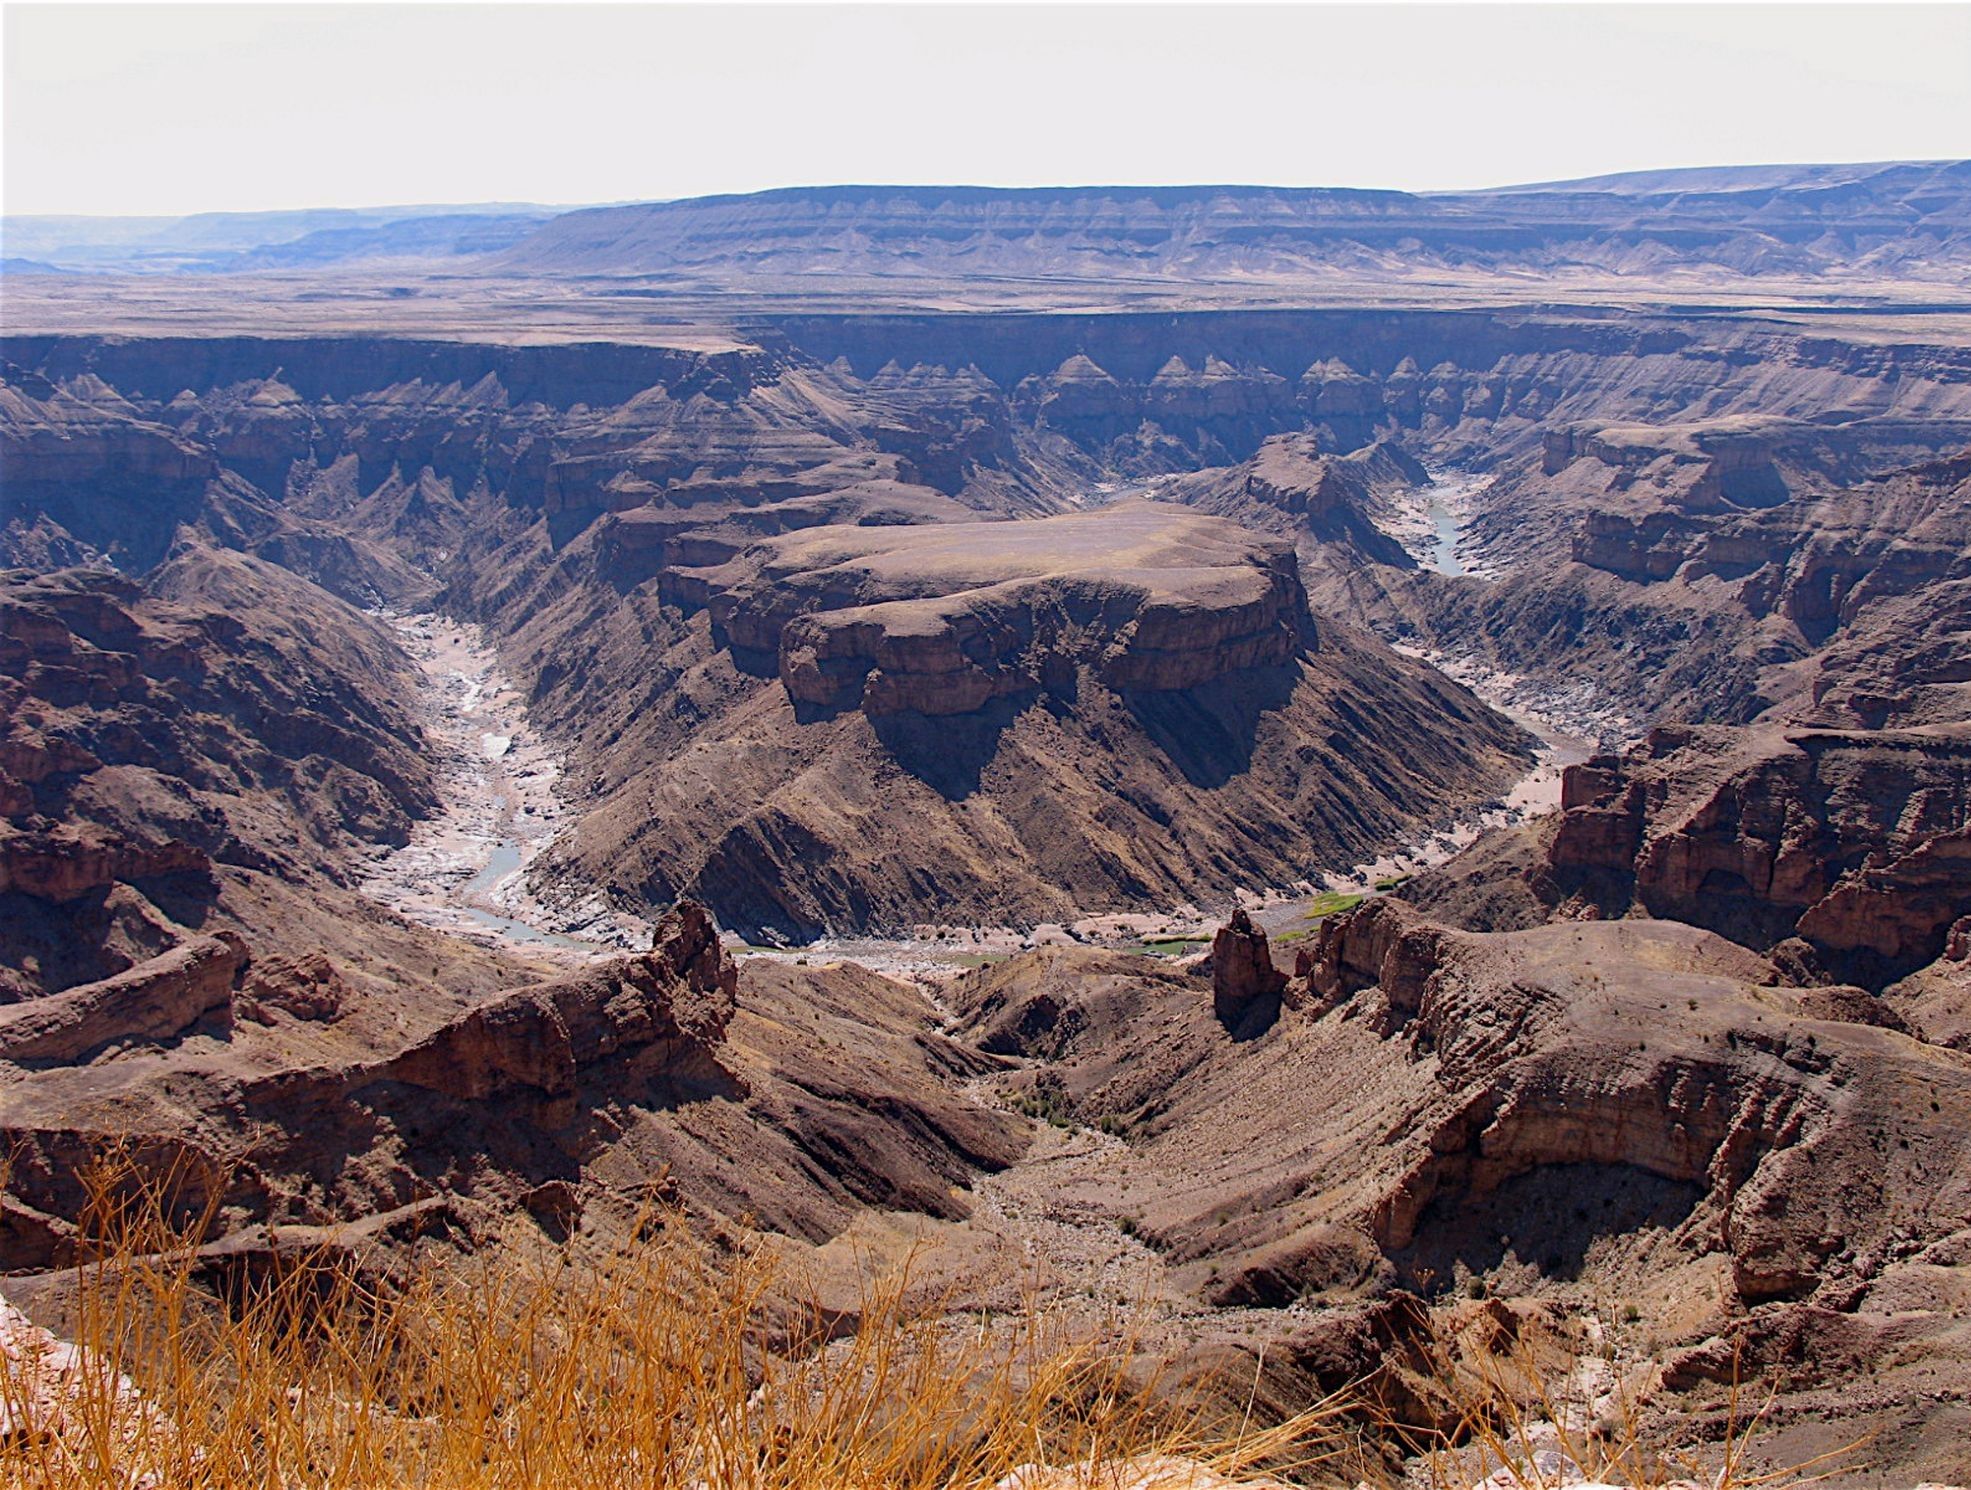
(464,870)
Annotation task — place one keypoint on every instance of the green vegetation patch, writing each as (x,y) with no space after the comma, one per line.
(1333,903)
(1175,946)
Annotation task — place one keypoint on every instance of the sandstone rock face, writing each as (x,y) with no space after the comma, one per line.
(1710,467)
(1727,570)
(1761,1100)
(1639,1109)
(1446,385)
(942,619)
(68,862)
(158,747)
(1245,986)
(1382,945)
(1855,843)
(673,1002)
(1336,509)
(152,1001)
(57,442)
(796,1103)
(308,986)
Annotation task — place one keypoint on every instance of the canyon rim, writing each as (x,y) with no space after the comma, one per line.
(1333,788)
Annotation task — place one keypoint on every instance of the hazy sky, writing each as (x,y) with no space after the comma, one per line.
(170,109)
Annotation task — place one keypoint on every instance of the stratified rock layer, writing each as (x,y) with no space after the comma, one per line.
(1245,986)
(1846,853)
(942,619)
(678,998)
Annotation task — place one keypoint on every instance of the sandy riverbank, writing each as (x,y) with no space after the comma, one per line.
(464,870)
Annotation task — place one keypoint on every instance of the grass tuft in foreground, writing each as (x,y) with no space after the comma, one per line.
(661,1363)
(667,1362)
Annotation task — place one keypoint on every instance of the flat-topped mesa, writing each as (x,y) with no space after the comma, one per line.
(944,618)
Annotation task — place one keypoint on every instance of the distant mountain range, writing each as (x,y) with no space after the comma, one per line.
(222,242)
(1909,220)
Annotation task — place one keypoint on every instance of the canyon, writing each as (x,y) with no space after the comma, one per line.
(1113,744)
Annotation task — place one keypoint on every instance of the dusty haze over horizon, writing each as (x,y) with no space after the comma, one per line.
(254,107)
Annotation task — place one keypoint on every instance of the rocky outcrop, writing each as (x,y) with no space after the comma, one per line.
(156,1000)
(1709,467)
(1336,509)
(1848,851)
(878,727)
(72,860)
(227,717)
(308,986)
(1245,986)
(1823,580)
(1383,944)
(942,619)
(1639,1047)
(446,1118)
(1335,499)
(670,1004)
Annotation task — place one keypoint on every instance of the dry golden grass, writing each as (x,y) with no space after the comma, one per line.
(666,1362)
(662,1363)
(1552,1406)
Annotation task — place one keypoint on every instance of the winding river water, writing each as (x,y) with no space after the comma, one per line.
(465,870)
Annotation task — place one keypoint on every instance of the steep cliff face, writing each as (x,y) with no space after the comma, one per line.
(1642,1108)
(1829,588)
(1850,849)
(1143,394)
(944,618)
(1759,1100)
(1015,744)
(793,1101)
(341,454)
(369,465)
(1844,854)
(165,745)
(80,458)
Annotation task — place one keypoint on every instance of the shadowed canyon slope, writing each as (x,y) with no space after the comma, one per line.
(830,612)
(990,723)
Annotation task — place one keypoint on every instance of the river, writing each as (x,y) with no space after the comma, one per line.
(464,869)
